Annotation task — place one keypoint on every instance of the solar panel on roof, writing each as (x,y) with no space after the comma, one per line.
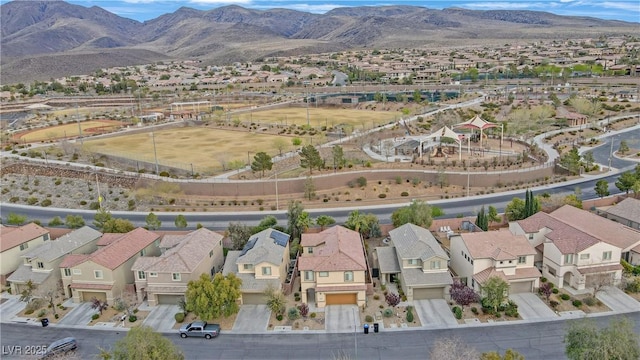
(249,245)
(280,238)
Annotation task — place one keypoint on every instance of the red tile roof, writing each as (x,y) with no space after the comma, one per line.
(497,245)
(108,238)
(335,249)
(11,237)
(91,286)
(521,273)
(72,260)
(599,269)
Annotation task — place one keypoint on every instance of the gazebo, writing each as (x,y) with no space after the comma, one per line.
(444,132)
(479,123)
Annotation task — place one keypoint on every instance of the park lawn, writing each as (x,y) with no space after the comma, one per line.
(69,130)
(202,147)
(320,117)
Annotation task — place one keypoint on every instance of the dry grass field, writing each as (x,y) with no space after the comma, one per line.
(318,117)
(68,130)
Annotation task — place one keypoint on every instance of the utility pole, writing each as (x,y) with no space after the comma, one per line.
(155,153)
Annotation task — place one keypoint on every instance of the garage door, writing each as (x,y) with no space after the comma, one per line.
(88,295)
(253,299)
(595,280)
(520,287)
(428,293)
(342,299)
(169,299)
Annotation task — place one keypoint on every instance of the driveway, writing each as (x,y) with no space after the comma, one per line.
(161,318)
(79,316)
(341,318)
(252,319)
(531,307)
(617,300)
(10,308)
(434,313)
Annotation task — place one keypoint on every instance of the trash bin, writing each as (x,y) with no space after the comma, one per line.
(375,327)
(45,322)
(366,328)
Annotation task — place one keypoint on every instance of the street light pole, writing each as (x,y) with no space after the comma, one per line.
(611,153)
(155,153)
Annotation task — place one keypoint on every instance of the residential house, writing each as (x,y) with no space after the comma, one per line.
(106,273)
(15,242)
(163,279)
(262,263)
(416,260)
(478,256)
(42,264)
(626,212)
(578,248)
(333,268)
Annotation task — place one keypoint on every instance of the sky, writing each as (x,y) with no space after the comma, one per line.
(141,10)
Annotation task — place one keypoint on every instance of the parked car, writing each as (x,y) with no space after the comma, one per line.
(60,347)
(200,329)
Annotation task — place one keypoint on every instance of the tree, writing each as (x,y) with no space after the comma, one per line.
(118,226)
(417,213)
(588,159)
(339,160)
(602,188)
(296,141)
(310,158)
(462,294)
(624,147)
(515,210)
(442,179)
(280,144)
(56,221)
(15,219)
(618,341)
(304,222)
(239,234)
(276,301)
(267,222)
(142,343)
(99,305)
(293,213)
(495,292)
(508,355)
(309,188)
(417,96)
(356,221)
(153,223)
(546,289)
(209,299)
(452,349)
(492,216)
(74,221)
(261,162)
(27,291)
(180,221)
(571,160)
(101,218)
(324,220)
(482,221)
(531,204)
(626,181)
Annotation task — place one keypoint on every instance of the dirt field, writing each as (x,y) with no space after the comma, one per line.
(68,130)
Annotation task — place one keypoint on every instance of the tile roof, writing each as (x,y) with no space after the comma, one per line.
(170,240)
(230,265)
(62,246)
(628,208)
(599,269)
(263,247)
(24,273)
(183,257)
(335,249)
(565,237)
(11,237)
(416,277)
(388,260)
(341,288)
(412,241)
(108,238)
(72,260)
(80,285)
(497,245)
(603,229)
(121,249)
(521,273)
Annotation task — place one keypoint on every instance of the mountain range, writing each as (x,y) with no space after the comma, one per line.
(44,39)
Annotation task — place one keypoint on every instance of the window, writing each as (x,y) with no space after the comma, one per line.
(67,272)
(153,274)
(211,253)
(176,276)
(584,256)
(45,237)
(501,262)
(308,275)
(522,259)
(413,261)
(309,250)
(97,274)
(77,272)
(323,274)
(24,246)
(141,275)
(348,276)
(266,270)
(606,255)
(530,236)
(568,259)
(435,264)
(247,266)
(142,252)
(40,265)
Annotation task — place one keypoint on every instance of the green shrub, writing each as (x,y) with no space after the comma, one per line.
(565,297)
(382,195)
(95,316)
(28,311)
(474,310)
(633,286)
(398,180)
(410,316)
(368,318)
(133,318)
(457,311)
(555,290)
(56,316)
(387,312)
(293,313)
(42,313)
(179,317)
(404,193)
(577,303)
(361,181)
(32,200)
(554,303)
(590,301)
(312,315)
(94,205)
(376,297)
(279,317)
(543,279)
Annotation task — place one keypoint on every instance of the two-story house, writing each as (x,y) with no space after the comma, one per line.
(478,256)
(417,261)
(626,212)
(262,263)
(578,249)
(105,273)
(15,242)
(42,264)
(333,268)
(163,279)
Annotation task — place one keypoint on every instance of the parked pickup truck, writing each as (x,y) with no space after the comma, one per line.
(200,329)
